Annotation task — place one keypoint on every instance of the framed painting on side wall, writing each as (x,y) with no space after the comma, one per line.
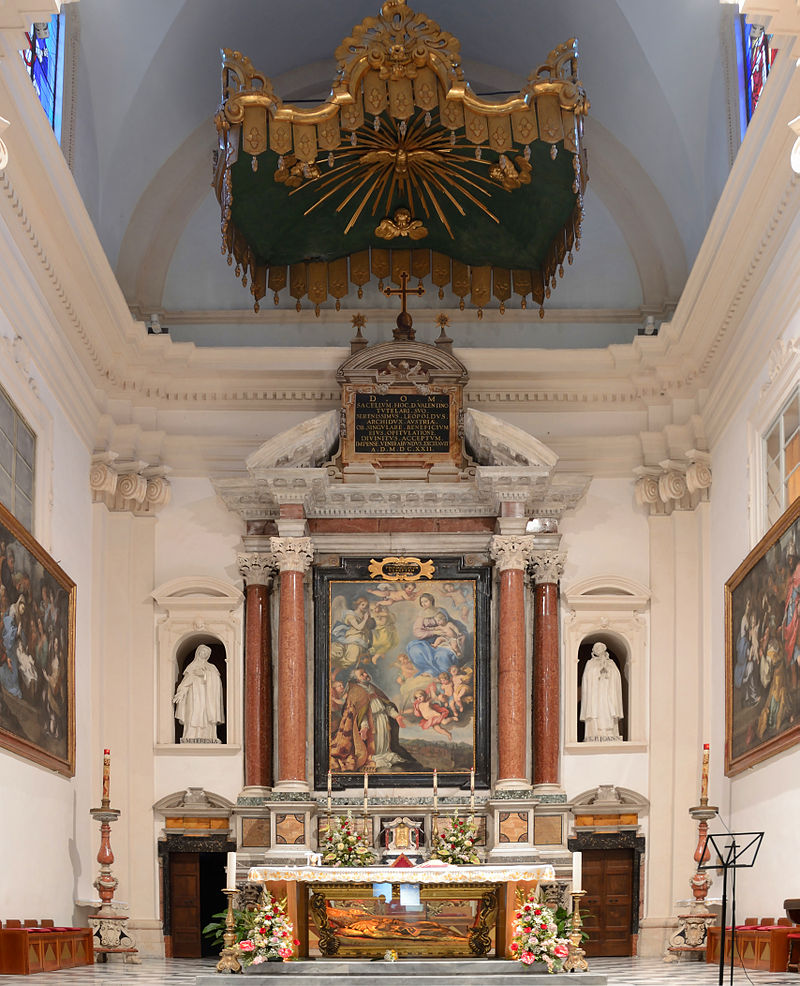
(37,651)
(401,674)
(762,648)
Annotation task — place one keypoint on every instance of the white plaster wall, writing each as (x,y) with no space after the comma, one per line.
(50,861)
(766,797)
(220,773)
(580,772)
(197,535)
(607,534)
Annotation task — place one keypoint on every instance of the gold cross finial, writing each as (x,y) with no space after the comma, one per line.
(404,330)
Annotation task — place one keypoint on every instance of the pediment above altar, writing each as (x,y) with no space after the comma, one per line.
(298,467)
(494,442)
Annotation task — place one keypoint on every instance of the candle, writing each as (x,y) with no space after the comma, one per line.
(435,789)
(231,884)
(704,775)
(472,790)
(329,792)
(106,776)
(577,871)
(366,790)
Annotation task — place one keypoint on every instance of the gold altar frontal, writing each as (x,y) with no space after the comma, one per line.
(463,911)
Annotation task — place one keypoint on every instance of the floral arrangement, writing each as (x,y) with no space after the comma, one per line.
(270,936)
(344,845)
(456,844)
(536,936)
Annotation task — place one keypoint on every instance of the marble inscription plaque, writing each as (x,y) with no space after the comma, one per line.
(404,424)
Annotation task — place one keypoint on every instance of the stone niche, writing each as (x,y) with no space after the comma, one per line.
(192,611)
(613,610)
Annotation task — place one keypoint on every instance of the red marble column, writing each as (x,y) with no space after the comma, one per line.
(511,556)
(257,568)
(548,566)
(294,556)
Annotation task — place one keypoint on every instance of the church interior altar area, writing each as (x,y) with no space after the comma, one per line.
(462,911)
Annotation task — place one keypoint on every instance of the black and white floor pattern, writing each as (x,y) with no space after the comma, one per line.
(620,972)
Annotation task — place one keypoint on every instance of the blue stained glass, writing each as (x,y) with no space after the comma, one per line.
(42,58)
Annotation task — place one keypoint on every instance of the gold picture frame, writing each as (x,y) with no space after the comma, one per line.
(762,648)
(37,651)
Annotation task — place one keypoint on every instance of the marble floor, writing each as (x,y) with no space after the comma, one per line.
(620,972)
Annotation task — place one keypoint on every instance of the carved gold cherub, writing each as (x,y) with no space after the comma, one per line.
(401,225)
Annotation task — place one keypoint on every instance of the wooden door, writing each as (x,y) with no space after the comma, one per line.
(184,903)
(608,882)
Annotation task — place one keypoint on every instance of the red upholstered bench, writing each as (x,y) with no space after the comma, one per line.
(44,948)
(763,946)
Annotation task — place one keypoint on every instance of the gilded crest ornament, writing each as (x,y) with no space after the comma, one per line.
(402,150)
(401,225)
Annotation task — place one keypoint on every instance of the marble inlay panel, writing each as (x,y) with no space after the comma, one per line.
(289,830)
(513,826)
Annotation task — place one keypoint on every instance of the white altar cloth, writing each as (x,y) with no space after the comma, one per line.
(397,874)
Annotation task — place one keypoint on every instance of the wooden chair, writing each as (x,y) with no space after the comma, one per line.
(13,923)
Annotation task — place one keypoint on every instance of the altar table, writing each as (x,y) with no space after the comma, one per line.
(458,907)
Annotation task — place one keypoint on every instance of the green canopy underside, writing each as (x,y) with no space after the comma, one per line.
(530,218)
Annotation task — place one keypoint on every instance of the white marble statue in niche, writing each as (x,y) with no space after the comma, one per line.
(198,699)
(601,697)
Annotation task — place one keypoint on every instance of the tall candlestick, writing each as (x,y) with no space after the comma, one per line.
(472,790)
(366,791)
(577,872)
(106,778)
(231,882)
(329,792)
(704,776)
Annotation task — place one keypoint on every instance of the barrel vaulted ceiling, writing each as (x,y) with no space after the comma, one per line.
(659,140)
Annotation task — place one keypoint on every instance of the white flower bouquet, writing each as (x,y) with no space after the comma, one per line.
(536,936)
(271,934)
(456,844)
(344,845)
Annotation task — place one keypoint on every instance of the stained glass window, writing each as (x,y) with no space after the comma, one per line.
(44,60)
(782,458)
(758,56)
(17,455)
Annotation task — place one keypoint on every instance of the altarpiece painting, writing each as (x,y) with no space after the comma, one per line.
(37,651)
(762,627)
(401,675)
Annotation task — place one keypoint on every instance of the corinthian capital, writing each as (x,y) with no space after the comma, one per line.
(256,567)
(548,566)
(292,554)
(511,552)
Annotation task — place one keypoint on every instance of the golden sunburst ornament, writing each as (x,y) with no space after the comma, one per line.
(421,164)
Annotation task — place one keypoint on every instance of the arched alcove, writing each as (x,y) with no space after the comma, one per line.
(619,652)
(191,611)
(219,659)
(612,610)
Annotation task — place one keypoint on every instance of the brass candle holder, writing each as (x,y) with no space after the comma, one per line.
(576,960)
(228,957)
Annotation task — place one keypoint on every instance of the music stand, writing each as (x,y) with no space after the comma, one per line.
(734,851)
